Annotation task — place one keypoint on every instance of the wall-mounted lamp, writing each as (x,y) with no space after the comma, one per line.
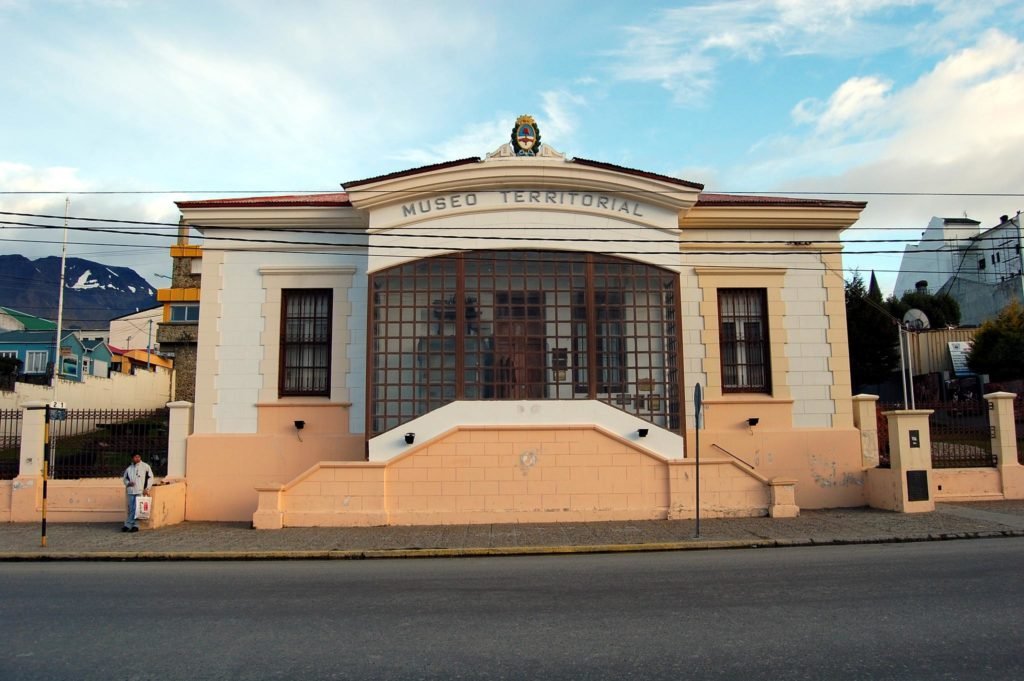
(753,421)
(641,432)
(410,438)
(299,425)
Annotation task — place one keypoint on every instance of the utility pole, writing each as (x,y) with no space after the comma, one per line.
(149,344)
(60,301)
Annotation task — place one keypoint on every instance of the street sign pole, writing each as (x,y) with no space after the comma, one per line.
(697,398)
(46,469)
(55,411)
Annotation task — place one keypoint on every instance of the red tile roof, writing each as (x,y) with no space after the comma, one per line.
(327,199)
(413,171)
(779,201)
(638,173)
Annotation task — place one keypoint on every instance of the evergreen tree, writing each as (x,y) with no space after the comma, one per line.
(872,333)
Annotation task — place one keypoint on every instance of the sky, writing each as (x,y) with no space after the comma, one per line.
(114,109)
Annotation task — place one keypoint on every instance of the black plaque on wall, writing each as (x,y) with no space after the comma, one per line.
(917,485)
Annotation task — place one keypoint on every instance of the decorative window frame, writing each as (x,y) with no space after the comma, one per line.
(277,278)
(741,365)
(771,280)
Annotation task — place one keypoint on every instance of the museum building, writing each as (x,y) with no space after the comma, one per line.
(523,337)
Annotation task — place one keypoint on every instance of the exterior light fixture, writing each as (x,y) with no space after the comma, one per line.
(410,438)
(641,432)
(299,425)
(753,421)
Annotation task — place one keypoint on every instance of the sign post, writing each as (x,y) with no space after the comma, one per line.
(697,419)
(46,470)
(54,412)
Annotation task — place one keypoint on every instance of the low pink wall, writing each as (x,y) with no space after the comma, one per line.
(168,506)
(526,475)
(482,475)
(883,489)
(94,500)
(726,490)
(966,484)
(351,493)
(5,501)
(223,471)
(826,463)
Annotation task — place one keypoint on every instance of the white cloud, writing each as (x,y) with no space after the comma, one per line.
(964,111)
(475,140)
(958,129)
(560,120)
(680,49)
(854,100)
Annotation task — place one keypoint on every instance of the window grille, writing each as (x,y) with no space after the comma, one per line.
(743,320)
(305,365)
(523,325)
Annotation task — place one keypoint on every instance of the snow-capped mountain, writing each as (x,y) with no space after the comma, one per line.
(93,293)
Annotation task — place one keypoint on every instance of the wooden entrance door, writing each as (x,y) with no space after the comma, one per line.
(520,347)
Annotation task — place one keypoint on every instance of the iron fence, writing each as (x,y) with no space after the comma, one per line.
(99,443)
(882,426)
(10,443)
(960,431)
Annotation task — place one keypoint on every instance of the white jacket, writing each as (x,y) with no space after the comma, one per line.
(137,478)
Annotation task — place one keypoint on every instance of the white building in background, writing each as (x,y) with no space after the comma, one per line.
(981,270)
(136,330)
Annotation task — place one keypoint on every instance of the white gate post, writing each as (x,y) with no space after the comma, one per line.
(179,428)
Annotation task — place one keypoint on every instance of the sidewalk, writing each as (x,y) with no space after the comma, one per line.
(237,541)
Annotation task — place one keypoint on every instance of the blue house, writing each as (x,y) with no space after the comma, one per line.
(98,357)
(35,351)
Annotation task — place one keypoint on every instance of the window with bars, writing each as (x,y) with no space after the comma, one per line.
(606,322)
(523,325)
(305,364)
(743,327)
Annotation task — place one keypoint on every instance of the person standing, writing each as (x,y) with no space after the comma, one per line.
(137,479)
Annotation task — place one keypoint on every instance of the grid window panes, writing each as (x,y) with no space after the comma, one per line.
(305,365)
(743,326)
(523,325)
(185,313)
(35,361)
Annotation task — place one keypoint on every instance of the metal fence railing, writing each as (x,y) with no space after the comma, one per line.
(960,432)
(99,443)
(10,443)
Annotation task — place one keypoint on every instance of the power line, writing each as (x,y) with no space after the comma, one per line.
(504,238)
(315,192)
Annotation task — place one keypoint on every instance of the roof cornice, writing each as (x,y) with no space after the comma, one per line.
(770,217)
(275,217)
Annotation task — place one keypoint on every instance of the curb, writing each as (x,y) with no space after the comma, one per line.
(377,554)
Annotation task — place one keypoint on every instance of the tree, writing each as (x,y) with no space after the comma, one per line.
(941,309)
(998,348)
(872,333)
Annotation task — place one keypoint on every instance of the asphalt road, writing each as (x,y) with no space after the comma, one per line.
(935,610)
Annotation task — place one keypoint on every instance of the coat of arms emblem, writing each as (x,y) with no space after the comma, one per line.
(526,136)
